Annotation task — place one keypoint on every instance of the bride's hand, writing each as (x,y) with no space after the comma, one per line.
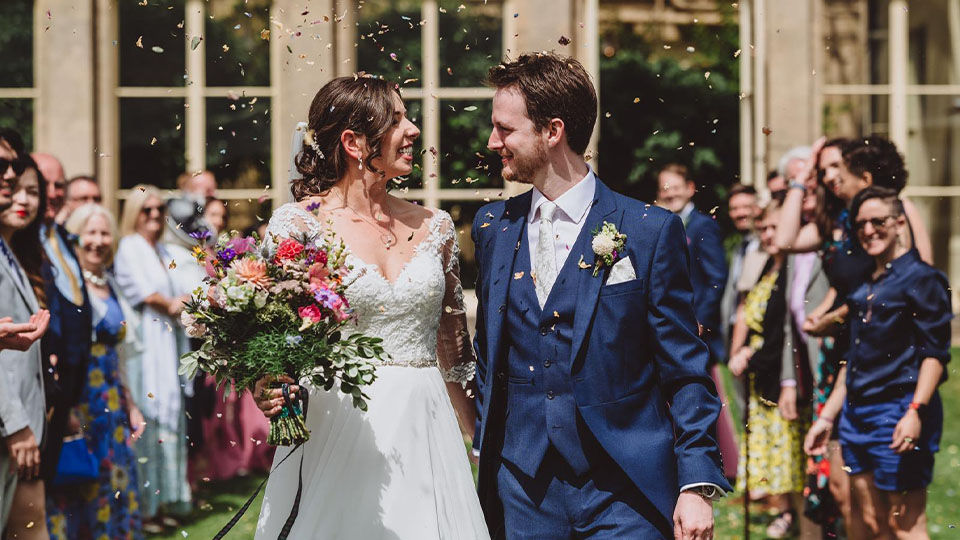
(270,400)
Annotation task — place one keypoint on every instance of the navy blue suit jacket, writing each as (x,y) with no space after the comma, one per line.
(639,369)
(708,275)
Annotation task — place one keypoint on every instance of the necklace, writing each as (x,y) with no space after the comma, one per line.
(99,281)
(387,236)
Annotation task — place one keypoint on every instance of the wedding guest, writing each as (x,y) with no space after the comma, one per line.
(107,507)
(66,346)
(771,452)
(743,209)
(216,213)
(80,190)
(142,266)
(202,184)
(892,416)
(22,409)
(708,267)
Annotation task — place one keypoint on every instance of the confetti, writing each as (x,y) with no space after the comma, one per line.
(157,49)
(564,40)
(195,42)
(518,275)
(140,42)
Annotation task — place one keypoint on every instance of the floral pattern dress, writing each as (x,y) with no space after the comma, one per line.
(107,509)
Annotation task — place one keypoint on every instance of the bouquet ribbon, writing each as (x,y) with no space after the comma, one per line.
(292,517)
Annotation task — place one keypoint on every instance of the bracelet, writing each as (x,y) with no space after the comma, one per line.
(827,419)
(794,184)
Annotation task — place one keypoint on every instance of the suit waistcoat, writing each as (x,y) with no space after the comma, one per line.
(541,409)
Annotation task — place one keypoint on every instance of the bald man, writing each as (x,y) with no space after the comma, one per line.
(66,346)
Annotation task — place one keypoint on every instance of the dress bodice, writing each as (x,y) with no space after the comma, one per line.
(422,306)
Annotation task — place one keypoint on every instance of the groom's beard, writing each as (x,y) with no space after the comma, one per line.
(524,169)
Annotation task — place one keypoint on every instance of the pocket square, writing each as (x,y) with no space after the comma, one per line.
(621,272)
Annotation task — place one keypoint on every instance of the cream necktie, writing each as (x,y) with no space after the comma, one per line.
(63,266)
(546,263)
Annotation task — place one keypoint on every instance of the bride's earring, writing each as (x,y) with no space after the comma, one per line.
(360,163)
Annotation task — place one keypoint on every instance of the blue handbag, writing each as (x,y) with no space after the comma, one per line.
(77,463)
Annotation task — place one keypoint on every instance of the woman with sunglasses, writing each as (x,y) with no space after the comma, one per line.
(143,273)
(892,416)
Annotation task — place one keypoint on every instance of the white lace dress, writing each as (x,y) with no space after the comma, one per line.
(398,471)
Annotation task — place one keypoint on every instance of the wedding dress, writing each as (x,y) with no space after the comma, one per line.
(398,471)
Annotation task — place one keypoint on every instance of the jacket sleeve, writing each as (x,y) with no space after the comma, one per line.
(13,415)
(480,335)
(682,358)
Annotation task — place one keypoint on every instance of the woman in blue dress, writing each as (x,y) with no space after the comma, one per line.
(106,508)
(892,416)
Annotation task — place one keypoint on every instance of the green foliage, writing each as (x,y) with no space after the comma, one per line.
(659,106)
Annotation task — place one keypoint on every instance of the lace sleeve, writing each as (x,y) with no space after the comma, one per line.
(289,220)
(454,351)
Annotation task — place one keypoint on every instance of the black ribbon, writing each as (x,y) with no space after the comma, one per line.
(288,524)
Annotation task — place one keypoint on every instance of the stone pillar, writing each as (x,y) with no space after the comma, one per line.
(791,108)
(64,45)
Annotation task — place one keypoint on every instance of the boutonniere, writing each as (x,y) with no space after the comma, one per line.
(607,245)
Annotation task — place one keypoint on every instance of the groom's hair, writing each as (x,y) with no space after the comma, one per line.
(552,86)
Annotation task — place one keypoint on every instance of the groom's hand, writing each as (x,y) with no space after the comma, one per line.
(693,517)
(270,400)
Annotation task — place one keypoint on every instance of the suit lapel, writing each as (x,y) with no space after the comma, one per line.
(20,281)
(506,243)
(588,286)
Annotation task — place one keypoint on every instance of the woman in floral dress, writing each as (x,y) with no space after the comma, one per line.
(107,508)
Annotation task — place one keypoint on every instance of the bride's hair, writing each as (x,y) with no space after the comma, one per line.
(360,103)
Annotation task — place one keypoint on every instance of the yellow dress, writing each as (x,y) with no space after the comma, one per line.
(776,458)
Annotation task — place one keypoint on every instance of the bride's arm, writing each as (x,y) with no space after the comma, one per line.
(454,351)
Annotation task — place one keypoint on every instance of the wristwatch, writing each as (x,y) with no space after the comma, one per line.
(705,491)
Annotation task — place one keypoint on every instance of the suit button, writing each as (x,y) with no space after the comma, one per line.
(500,375)
(543,330)
(547,363)
(550,394)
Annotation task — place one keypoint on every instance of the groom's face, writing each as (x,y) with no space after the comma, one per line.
(521,146)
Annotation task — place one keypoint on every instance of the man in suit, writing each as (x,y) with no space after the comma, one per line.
(596,412)
(21,384)
(708,262)
(743,209)
(66,347)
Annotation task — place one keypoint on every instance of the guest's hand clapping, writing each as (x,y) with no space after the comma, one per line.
(270,400)
(788,403)
(24,452)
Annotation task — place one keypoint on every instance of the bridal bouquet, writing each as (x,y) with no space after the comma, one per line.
(279,311)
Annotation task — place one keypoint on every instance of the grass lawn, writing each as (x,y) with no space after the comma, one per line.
(943,507)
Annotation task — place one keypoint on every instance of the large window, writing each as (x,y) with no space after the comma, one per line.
(194,91)
(17,86)
(439,52)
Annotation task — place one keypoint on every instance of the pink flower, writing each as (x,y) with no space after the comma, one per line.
(318,276)
(310,313)
(252,271)
(288,249)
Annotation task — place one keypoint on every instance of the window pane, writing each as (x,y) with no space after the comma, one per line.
(152,148)
(16,42)
(237,53)
(18,114)
(856,115)
(470,41)
(465,161)
(158,27)
(462,214)
(238,142)
(415,179)
(856,41)
(388,41)
(932,42)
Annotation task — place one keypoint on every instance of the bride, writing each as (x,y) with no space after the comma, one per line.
(399,470)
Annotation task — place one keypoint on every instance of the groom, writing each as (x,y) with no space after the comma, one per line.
(596,412)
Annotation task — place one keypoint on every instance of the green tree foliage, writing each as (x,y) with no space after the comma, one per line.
(660,105)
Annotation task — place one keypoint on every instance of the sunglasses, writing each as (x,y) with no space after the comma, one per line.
(18,166)
(877,223)
(147,210)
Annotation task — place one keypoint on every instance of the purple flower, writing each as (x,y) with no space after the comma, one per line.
(226,255)
(327,298)
(200,235)
(313,206)
(242,245)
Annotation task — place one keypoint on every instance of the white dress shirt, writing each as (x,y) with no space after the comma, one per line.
(572,209)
